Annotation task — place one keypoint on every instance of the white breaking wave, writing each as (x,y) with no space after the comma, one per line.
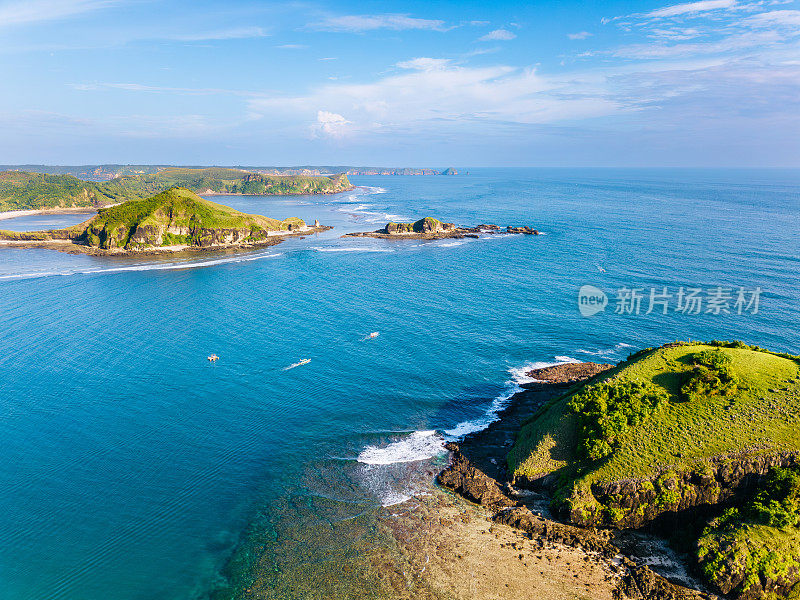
(352,249)
(419,445)
(147,267)
(607,352)
(518,377)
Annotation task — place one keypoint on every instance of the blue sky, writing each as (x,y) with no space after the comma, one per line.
(707,83)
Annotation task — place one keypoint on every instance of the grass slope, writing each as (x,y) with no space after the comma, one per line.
(24,191)
(20,190)
(177,217)
(679,433)
(653,435)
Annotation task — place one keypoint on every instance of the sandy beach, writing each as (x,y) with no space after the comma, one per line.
(13,214)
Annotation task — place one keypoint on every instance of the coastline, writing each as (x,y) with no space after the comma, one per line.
(76,210)
(450,232)
(477,473)
(213,193)
(71,247)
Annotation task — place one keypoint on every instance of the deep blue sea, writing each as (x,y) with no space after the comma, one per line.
(132,467)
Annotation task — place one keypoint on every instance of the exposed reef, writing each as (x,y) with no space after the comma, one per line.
(429,228)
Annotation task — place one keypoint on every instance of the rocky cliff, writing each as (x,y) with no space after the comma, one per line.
(176,219)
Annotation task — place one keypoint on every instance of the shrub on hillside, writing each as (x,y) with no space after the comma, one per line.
(711,375)
(606,410)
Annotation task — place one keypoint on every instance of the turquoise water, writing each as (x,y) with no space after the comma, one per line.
(132,465)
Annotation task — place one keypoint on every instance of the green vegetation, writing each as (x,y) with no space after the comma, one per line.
(177,217)
(607,410)
(20,190)
(756,548)
(424,225)
(711,375)
(678,427)
(763,412)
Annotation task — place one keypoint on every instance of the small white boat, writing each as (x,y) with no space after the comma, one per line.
(371,336)
(213,358)
(299,363)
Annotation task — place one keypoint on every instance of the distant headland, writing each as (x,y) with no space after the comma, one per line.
(429,228)
(111,171)
(175,220)
(23,190)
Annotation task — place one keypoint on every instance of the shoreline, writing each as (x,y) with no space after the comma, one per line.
(477,473)
(78,210)
(71,247)
(450,232)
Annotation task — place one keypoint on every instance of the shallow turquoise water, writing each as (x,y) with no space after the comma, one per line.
(132,465)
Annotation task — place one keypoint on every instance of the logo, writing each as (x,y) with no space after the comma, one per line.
(591,300)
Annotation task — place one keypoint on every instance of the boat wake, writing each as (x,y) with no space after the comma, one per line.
(299,363)
(170,266)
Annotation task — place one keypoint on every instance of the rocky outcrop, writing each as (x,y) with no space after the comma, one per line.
(637,582)
(634,503)
(464,478)
(430,228)
(568,372)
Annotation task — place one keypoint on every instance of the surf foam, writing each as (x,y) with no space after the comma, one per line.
(512,386)
(420,445)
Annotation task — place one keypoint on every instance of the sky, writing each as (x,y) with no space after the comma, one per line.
(712,83)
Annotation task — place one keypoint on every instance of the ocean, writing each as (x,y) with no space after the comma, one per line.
(134,468)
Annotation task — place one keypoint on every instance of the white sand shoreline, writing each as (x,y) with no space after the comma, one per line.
(13,214)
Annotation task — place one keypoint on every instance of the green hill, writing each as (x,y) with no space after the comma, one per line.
(174,218)
(667,432)
(20,190)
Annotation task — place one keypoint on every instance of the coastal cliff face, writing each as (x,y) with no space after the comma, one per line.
(179,217)
(425,225)
(635,503)
(672,437)
(172,220)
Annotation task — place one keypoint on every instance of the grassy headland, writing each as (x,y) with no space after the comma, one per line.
(33,191)
(676,429)
(174,219)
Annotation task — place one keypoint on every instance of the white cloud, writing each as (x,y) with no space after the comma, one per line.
(330,124)
(23,12)
(581,35)
(292,46)
(691,8)
(222,34)
(430,96)
(138,87)
(775,18)
(424,64)
(359,23)
(497,35)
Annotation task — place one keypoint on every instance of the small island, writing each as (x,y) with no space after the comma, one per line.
(695,442)
(175,220)
(429,228)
